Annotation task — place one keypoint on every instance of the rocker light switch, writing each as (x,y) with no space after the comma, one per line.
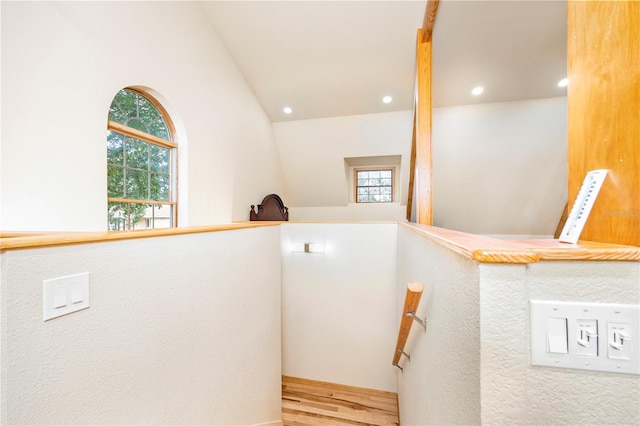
(557,335)
(59,297)
(77,293)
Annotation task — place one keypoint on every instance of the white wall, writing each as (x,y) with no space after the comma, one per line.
(513,391)
(181,330)
(352,212)
(500,168)
(497,168)
(62,64)
(312,154)
(473,364)
(339,317)
(441,383)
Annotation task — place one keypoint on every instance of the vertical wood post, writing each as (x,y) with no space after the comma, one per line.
(604,114)
(412,169)
(423,162)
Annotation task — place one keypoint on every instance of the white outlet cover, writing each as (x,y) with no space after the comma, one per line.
(541,310)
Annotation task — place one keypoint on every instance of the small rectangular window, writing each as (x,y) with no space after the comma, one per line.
(374,185)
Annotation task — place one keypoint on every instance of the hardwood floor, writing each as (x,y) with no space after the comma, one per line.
(309,402)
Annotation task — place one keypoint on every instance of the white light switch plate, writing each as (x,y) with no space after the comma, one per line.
(63,295)
(606,323)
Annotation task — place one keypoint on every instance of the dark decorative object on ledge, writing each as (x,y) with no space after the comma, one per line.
(272,208)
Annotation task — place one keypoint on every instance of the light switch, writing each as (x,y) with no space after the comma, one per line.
(59,297)
(587,337)
(76,292)
(619,340)
(557,336)
(63,295)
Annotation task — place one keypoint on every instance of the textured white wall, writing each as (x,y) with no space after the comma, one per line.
(473,364)
(513,391)
(62,64)
(441,383)
(338,307)
(181,330)
(312,153)
(500,168)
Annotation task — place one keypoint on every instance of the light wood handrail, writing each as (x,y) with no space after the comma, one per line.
(22,240)
(411,301)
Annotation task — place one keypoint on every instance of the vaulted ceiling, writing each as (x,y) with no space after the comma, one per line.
(514,49)
(335,58)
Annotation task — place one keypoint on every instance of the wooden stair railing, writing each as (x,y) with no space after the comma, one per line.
(411,301)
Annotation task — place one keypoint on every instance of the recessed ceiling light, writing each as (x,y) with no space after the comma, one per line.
(477,90)
(563,83)
(387,99)
(287,110)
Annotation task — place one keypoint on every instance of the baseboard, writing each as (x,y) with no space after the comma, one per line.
(274,423)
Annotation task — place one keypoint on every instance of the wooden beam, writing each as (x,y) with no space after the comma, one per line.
(411,301)
(429,19)
(604,114)
(562,221)
(412,168)
(424,196)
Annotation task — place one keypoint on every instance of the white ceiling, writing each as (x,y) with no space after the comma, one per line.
(335,58)
(514,49)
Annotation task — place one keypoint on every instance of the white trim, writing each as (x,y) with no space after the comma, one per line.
(273,423)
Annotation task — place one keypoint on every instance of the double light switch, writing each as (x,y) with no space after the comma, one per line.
(63,295)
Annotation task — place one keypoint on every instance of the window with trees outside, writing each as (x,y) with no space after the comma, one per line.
(140,164)
(374,185)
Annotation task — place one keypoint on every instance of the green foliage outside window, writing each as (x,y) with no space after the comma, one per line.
(134,110)
(137,169)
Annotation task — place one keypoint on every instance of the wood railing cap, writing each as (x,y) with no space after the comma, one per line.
(19,240)
(476,247)
(491,250)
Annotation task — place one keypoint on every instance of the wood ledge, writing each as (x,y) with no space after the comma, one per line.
(19,240)
(476,247)
(491,250)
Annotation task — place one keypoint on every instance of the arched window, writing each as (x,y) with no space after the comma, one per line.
(140,163)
